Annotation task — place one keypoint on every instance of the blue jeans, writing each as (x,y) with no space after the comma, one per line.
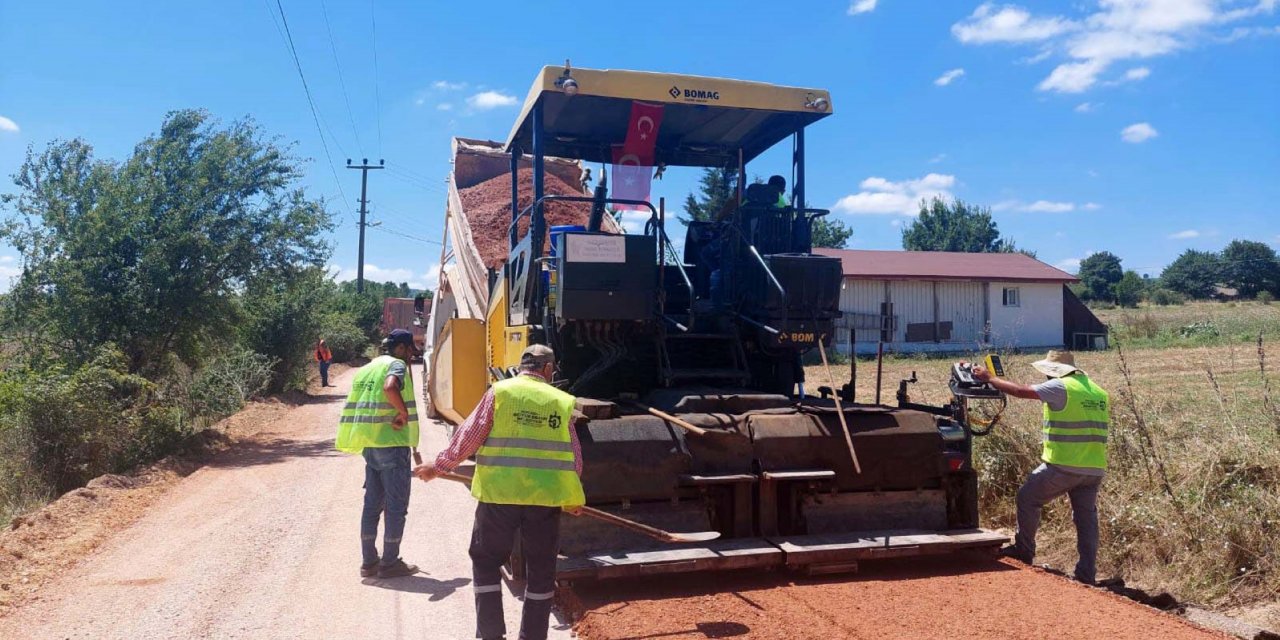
(324,373)
(387,474)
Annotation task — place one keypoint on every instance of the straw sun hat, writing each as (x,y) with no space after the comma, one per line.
(1057,364)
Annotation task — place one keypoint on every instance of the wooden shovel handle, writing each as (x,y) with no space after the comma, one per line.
(652,532)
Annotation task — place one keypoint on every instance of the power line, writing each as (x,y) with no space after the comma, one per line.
(377,93)
(405,235)
(341,81)
(315,114)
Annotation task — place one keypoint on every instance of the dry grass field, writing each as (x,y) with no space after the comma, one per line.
(1191,503)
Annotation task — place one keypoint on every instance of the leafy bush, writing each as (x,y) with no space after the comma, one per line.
(1265,297)
(227,381)
(78,425)
(284,317)
(345,339)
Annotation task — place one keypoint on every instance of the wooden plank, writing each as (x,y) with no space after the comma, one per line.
(733,478)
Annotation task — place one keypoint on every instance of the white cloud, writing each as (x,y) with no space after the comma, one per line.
(881,196)
(374,273)
(862,6)
(8,126)
(1073,77)
(1137,73)
(1091,206)
(1114,31)
(1140,132)
(445,85)
(946,78)
(1008,24)
(1046,206)
(1070,265)
(1087,107)
(491,100)
(938,158)
(1185,235)
(1039,206)
(444,106)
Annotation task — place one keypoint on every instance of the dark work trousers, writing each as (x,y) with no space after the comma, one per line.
(492,538)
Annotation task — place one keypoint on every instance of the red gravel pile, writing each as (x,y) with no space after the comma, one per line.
(488,209)
(945,598)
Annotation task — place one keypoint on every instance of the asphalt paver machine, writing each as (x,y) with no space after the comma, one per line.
(686,357)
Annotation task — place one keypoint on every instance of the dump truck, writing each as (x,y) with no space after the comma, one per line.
(686,362)
(407,314)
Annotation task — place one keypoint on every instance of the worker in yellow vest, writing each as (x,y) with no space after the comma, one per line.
(1077,417)
(380,422)
(528,463)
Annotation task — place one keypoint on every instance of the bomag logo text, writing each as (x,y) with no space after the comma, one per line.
(697,95)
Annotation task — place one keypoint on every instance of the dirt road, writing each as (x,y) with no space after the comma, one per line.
(264,543)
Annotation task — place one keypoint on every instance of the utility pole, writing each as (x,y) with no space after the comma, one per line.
(364,168)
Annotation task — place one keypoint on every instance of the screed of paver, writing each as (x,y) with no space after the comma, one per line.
(944,598)
(263,543)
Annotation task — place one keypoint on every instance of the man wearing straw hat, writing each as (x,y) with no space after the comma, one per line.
(1076,420)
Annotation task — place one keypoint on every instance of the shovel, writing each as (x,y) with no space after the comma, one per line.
(652,532)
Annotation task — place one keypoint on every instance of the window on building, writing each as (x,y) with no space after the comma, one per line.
(1011,297)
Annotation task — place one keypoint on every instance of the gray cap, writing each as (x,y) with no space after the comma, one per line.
(537,354)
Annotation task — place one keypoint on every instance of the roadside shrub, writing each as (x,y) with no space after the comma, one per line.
(1265,297)
(285,314)
(227,381)
(77,425)
(345,339)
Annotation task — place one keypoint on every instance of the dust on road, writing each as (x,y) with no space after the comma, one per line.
(263,543)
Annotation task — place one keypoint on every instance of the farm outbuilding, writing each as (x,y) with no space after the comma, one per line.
(935,301)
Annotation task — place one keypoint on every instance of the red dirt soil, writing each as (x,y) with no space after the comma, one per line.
(946,598)
(488,209)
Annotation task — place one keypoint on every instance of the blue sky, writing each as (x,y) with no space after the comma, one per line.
(1142,127)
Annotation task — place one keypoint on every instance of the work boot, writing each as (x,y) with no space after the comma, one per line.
(369,570)
(397,569)
(1011,551)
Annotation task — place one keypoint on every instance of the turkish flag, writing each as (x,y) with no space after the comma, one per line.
(633,160)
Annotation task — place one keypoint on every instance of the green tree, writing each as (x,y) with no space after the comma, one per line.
(1130,289)
(715,188)
(832,234)
(1099,273)
(953,226)
(151,253)
(1193,274)
(1250,267)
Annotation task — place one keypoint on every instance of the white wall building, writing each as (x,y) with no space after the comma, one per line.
(926,301)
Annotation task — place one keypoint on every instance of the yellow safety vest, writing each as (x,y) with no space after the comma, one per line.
(528,457)
(1076,436)
(366,418)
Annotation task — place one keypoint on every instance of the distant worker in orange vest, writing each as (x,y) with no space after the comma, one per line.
(325,357)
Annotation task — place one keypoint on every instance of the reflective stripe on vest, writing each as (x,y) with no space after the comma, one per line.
(367,416)
(1076,436)
(528,457)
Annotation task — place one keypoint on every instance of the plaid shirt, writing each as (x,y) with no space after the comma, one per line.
(472,433)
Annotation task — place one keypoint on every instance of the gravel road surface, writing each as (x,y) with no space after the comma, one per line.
(264,543)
